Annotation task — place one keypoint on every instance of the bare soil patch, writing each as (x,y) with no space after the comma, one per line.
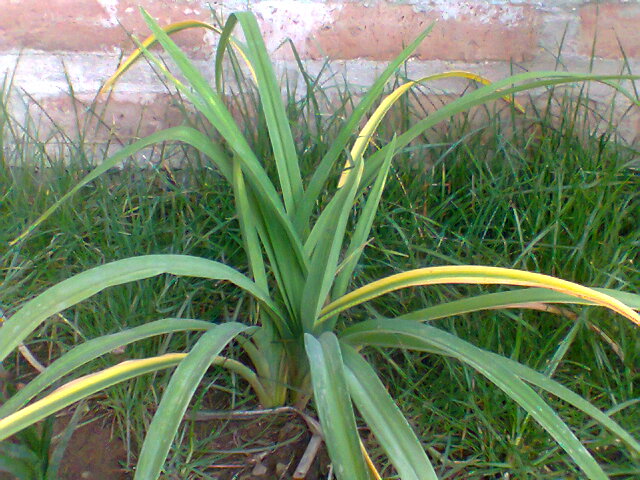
(94,453)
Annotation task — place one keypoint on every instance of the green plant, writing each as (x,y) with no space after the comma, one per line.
(33,455)
(28,457)
(300,266)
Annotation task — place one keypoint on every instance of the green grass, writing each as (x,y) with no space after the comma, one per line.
(560,207)
(547,196)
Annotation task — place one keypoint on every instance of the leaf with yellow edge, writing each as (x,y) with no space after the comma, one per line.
(365,135)
(476,78)
(531,298)
(472,274)
(170,29)
(83,387)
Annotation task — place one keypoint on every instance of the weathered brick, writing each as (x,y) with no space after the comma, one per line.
(634,127)
(119,118)
(468,33)
(613,26)
(90,25)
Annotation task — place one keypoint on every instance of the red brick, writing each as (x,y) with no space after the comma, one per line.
(611,25)
(480,32)
(88,26)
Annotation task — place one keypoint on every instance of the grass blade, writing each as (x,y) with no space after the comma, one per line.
(182,133)
(57,455)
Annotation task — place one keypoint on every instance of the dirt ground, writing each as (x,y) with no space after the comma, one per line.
(93,454)
(245,449)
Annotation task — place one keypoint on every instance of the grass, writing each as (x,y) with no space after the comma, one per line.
(543,211)
(548,196)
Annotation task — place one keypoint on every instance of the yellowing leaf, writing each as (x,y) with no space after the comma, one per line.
(479,275)
(169,29)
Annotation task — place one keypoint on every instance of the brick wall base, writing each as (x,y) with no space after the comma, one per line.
(48,46)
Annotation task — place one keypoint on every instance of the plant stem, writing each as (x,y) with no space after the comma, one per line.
(246,373)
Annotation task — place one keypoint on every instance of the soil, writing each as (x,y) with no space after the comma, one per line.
(268,448)
(94,454)
(262,448)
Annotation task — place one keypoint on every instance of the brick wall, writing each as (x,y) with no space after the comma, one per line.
(55,42)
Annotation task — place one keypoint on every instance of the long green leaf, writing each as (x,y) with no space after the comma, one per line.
(494,91)
(412,335)
(18,469)
(20,460)
(334,407)
(281,237)
(289,277)
(214,109)
(284,149)
(471,274)
(363,227)
(212,106)
(331,227)
(385,419)
(266,352)
(223,43)
(572,398)
(224,121)
(248,221)
(23,450)
(542,381)
(289,280)
(93,349)
(83,285)
(369,129)
(169,29)
(177,396)
(521,298)
(323,171)
(82,388)
(253,228)
(290,273)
